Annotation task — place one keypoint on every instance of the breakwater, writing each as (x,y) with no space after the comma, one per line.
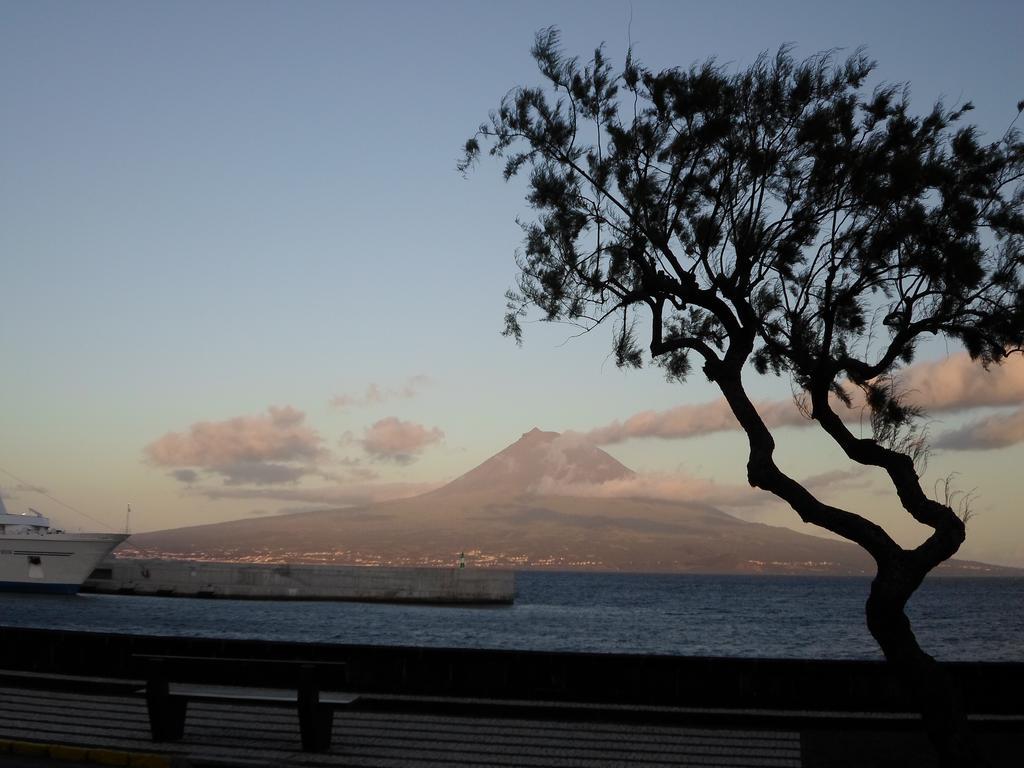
(191,578)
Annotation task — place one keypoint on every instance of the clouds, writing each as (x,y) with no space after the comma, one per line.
(275,447)
(838,479)
(956,384)
(693,420)
(680,486)
(952,385)
(266,457)
(997,431)
(375,394)
(280,435)
(392,439)
(263,473)
(660,486)
(276,455)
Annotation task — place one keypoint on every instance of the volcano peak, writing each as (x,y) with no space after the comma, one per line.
(538,434)
(540,459)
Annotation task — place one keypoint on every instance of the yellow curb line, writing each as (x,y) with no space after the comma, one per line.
(96,756)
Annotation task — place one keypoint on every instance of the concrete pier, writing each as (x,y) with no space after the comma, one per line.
(190,578)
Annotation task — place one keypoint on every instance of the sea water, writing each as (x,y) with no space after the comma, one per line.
(956,619)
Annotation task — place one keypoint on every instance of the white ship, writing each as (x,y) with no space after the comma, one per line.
(37,558)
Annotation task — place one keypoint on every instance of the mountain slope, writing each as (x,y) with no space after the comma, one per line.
(502,513)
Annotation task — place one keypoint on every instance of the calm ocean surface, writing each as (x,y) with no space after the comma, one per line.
(789,617)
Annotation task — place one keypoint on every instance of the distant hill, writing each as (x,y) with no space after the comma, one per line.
(502,513)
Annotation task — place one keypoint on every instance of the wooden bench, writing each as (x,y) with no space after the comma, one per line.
(167,700)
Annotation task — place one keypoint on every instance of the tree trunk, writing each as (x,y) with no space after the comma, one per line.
(944,717)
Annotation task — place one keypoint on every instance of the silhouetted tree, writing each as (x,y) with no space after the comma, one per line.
(786,218)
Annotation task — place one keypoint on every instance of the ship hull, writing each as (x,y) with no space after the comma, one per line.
(55,563)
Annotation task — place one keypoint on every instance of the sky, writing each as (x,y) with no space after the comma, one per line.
(240,275)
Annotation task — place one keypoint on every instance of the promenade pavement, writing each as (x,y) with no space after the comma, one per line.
(44,728)
(269,736)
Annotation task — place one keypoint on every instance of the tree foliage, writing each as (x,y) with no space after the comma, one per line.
(784,216)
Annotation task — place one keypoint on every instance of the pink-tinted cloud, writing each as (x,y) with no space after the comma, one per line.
(957,383)
(396,440)
(276,447)
(375,394)
(838,479)
(997,431)
(280,435)
(683,487)
(943,386)
(662,486)
(692,421)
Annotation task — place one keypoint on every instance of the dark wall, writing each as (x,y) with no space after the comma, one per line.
(991,688)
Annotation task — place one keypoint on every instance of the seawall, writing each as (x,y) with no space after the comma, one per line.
(191,578)
(990,688)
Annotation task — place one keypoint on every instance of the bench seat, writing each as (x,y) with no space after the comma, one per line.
(167,702)
(196,692)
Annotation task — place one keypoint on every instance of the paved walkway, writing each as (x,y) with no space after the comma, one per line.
(261,736)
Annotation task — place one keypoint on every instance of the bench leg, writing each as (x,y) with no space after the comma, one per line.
(166,714)
(315,719)
(315,725)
